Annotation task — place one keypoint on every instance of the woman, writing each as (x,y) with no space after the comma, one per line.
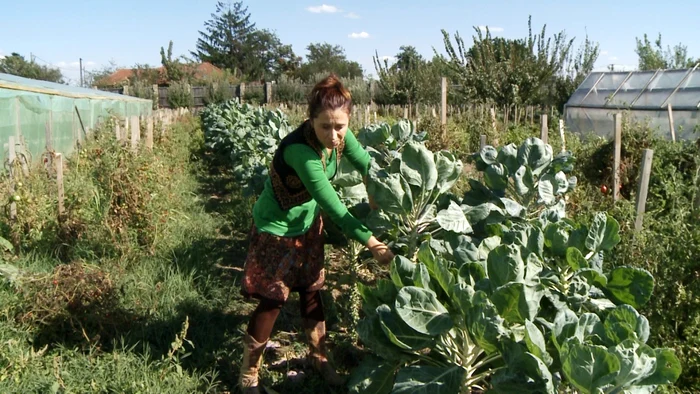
(286,249)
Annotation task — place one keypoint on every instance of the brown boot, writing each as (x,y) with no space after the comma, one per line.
(316,335)
(252,360)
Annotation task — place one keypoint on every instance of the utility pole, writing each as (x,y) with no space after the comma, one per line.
(81,72)
(31,56)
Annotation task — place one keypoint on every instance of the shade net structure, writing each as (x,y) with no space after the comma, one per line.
(43,116)
(646,96)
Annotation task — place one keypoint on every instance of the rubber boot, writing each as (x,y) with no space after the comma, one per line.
(316,335)
(252,360)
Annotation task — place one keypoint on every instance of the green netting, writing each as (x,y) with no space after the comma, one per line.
(32,110)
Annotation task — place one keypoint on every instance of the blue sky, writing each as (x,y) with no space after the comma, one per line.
(131,31)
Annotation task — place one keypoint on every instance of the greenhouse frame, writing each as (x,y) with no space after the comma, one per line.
(661,98)
(43,115)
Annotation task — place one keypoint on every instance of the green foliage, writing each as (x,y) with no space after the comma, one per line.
(16,64)
(245,138)
(180,95)
(231,41)
(526,290)
(407,81)
(518,71)
(175,70)
(654,57)
(324,58)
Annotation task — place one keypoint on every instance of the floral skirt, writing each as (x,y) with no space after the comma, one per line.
(276,266)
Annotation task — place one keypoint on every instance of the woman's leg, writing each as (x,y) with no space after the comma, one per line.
(259,329)
(315,327)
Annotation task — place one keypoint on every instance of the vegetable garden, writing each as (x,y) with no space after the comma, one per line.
(514,272)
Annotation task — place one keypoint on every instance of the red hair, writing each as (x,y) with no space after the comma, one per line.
(329,94)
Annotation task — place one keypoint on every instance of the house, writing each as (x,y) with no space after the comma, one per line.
(121,76)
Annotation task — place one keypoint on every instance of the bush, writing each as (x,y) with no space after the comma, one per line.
(180,95)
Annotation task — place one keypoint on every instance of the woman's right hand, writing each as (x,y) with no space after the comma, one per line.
(380,251)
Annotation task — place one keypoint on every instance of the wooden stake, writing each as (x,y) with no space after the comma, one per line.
(482,142)
(135,132)
(561,134)
(58,162)
(544,129)
(149,133)
(443,101)
(643,189)
(617,155)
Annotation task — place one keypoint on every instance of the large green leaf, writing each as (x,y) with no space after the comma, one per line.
(374,134)
(422,311)
(402,130)
(421,276)
(418,166)
(535,342)
(401,271)
(575,259)
(508,156)
(524,373)
(496,176)
(399,333)
(588,367)
(547,189)
(516,302)
(372,335)
(489,155)
(603,233)
(453,219)
(535,154)
(425,379)
(630,285)
(387,190)
(437,266)
(637,362)
(372,376)
(485,325)
(623,323)
(504,265)
(524,180)
(449,169)
(668,368)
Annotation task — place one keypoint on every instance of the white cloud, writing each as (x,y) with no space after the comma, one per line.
(603,53)
(492,29)
(613,58)
(363,34)
(324,8)
(352,15)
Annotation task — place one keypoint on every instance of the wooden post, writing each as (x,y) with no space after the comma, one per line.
(482,142)
(156,97)
(135,132)
(12,157)
(375,116)
(434,112)
(58,161)
(405,112)
(617,155)
(443,101)
(561,134)
(493,120)
(643,187)
(117,129)
(149,132)
(670,123)
(268,92)
(544,128)
(125,91)
(241,91)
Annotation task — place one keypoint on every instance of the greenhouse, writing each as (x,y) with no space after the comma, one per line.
(663,98)
(34,111)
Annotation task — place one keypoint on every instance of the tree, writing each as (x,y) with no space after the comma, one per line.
(16,64)
(175,69)
(653,57)
(270,59)
(96,78)
(408,79)
(227,37)
(517,71)
(327,58)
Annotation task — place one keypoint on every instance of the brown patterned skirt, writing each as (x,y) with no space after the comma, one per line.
(276,266)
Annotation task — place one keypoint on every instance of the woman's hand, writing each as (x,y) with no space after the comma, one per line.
(380,251)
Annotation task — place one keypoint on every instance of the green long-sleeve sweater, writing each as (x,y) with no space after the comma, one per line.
(270,218)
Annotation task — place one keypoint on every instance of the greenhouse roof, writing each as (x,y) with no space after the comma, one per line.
(13,82)
(643,90)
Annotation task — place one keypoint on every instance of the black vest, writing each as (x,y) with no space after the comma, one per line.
(287,187)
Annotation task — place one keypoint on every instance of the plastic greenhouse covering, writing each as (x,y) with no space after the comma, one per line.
(645,95)
(32,110)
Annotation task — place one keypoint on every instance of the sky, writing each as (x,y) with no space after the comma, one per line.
(128,32)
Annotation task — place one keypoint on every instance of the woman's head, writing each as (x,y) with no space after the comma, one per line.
(329,111)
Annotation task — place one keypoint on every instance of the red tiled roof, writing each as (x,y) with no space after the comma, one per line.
(122,75)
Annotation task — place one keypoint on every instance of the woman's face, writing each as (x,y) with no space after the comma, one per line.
(330,127)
